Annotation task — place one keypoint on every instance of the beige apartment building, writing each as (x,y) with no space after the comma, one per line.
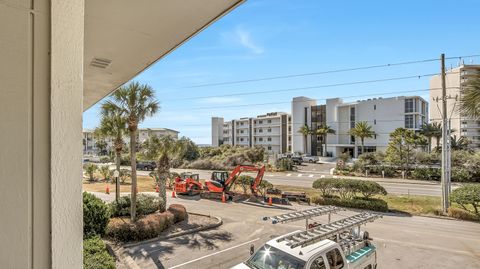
(143,134)
(271,131)
(456,78)
(58,58)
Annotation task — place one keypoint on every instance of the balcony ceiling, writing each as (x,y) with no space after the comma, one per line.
(124,37)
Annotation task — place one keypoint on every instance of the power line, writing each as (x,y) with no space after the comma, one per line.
(306,88)
(229,107)
(324,72)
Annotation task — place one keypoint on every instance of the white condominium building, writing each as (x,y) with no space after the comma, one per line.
(90,140)
(456,79)
(270,131)
(383,114)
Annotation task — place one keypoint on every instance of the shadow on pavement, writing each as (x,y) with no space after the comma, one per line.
(208,240)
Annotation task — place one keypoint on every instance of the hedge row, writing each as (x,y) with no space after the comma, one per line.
(95,215)
(149,226)
(359,203)
(95,254)
(348,188)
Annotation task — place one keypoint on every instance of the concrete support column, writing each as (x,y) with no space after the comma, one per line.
(40,111)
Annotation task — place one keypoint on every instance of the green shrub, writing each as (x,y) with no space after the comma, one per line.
(244,182)
(90,169)
(179,212)
(95,254)
(426,173)
(206,165)
(95,215)
(467,196)
(358,203)
(150,226)
(105,159)
(461,174)
(285,164)
(348,188)
(146,204)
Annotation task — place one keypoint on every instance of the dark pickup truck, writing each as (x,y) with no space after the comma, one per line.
(147,166)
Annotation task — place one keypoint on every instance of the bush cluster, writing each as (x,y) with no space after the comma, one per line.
(344,192)
(285,164)
(146,227)
(468,197)
(95,254)
(146,204)
(462,214)
(205,164)
(426,173)
(359,203)
(95,215)
(348,188)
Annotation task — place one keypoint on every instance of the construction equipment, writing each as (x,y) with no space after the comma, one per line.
(188,183)
(338,244)
(222,182)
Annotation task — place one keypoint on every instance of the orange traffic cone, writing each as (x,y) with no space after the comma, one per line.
(269,200)
(107,190)
(156,189)
(173,194)
(223,198)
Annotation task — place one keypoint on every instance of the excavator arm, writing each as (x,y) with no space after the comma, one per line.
(244,168)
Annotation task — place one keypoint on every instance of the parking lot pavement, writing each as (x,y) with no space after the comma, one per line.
(403,242)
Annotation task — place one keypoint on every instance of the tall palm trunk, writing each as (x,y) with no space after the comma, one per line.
(163,170)
(429,144)
(118,157)
(363,145)
(133,162)
(325,146)
(305,145)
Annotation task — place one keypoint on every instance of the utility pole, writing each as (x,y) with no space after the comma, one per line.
(445,142)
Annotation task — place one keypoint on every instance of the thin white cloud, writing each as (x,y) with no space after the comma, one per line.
(220,100)
(245,39)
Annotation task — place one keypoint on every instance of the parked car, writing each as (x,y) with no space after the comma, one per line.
(310,159)
(297,160)
(148,166)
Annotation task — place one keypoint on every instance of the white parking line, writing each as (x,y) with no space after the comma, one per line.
(310,175)
(212,254)
(299,175)
(289,175)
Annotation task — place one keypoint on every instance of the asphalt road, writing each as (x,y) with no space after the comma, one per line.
(402,241)
(308,173)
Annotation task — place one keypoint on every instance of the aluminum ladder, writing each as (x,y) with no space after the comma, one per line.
(326,231)
(304,214)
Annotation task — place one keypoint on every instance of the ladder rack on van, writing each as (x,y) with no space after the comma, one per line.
(328,231)
(304,214)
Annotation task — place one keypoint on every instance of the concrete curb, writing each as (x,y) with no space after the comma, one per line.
(121,254)
(267,206)
(190,231)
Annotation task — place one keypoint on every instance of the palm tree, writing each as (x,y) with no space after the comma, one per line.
(362,130)
(324,131)
(305,131)
(460,143)
(134,102)
(470,100)
(430,130)
(114,126)
(163,149)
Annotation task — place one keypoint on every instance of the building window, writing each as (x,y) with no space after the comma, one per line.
(269,139)
(375,121)
(241,123)
(375,136)
(241,139)
(269,130)
(241,131)
(269,121)
(260,130)
(269,148)
(374,107)
(260,139)
(260,121)
(409,105)
(409,122)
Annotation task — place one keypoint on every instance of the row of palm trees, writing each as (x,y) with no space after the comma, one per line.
(361,130)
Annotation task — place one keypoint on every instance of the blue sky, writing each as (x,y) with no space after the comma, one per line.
(283,37)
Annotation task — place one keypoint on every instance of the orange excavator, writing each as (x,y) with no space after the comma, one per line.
(188,184)
(221,182)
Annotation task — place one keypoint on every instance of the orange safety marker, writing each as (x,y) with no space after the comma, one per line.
(173,194)
(157,189)
(107,190)
(270,200)
(223,198)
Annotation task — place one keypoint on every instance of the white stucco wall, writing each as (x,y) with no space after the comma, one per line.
(298,120)
(41,102)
